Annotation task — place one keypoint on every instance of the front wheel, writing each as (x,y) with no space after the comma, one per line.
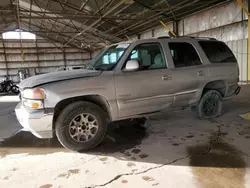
(210,105)
(81,126)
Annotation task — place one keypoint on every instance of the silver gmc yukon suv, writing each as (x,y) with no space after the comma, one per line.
(128,81)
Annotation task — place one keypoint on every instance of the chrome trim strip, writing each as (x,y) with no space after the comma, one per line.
(148,98)
(186,92)
(160,96)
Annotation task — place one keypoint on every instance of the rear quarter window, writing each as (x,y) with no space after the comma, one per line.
(217,52)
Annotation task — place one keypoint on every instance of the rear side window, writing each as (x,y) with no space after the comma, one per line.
(218,52)
(184,54)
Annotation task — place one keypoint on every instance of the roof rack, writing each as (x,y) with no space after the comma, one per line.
(205,38)
(188,37)
(164,37)
(201,38)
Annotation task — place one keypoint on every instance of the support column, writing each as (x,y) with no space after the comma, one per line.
(171,33)
(175,28)
(64,57)
(37,58)
(5,59)
(183,28)
(248,42)
(247,10)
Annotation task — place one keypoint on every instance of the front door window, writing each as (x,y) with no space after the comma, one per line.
(149,56)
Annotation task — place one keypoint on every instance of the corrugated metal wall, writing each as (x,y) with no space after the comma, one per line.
(226,22)
(40,56)
(239,49)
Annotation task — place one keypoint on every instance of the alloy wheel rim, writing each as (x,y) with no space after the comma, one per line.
(83,127)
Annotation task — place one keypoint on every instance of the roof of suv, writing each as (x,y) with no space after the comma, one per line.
(123,43)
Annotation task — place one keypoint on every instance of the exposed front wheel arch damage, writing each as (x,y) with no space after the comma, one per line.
(96,99)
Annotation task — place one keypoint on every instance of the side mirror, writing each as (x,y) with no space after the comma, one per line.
(132,65)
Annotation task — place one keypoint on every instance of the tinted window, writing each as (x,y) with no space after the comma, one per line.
(149,56)
(218,52)
(184,54)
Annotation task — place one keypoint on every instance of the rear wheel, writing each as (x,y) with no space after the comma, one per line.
(210,105)
(81,126)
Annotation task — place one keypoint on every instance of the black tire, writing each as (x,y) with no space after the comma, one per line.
(210,105)
(14,89)
(68,114)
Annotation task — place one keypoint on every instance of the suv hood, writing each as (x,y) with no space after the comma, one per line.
(56,76)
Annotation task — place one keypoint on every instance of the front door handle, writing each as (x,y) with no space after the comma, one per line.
(200,73)
(166,77)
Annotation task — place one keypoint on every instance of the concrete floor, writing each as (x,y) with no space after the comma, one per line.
(177,150)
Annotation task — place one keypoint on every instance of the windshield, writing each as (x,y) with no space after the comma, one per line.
(108,58)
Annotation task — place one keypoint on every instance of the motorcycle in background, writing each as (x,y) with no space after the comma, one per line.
(8,85)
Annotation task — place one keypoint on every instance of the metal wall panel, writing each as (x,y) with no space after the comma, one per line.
(45,56)
(146,35)
(47,69)
(53,63)
(76,62)
(41,55)
(73,56)
(2,66)
(161,31)
(212,18)
(23,65)
(239,49)
(224,22)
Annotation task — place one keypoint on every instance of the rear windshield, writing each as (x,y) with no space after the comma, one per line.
(218,52)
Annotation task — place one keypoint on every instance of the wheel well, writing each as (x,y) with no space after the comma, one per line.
(96,99)
(218,85)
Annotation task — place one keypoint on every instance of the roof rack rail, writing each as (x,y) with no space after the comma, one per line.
(188,37)
(202,38)
(205,38)
(164,37)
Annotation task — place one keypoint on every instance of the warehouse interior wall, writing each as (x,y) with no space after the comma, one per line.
(38,56)
(226,22)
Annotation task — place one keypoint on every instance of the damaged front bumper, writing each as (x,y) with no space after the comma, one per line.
(38,122)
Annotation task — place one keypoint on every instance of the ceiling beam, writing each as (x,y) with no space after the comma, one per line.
(39,31)
(155,17)
(14,9)
(150,8)
(79,24)
(78,17)
(31,3)
(52,39)
(171,10)
(82,40)
(71,6)
(97,21)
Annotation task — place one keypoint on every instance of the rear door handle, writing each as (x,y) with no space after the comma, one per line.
(166,77)
(200,73)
